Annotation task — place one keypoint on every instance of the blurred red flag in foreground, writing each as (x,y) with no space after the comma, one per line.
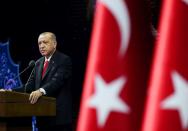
(167,107)
(118,67)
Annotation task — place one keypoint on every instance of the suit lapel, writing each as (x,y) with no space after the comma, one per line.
(49,67)
(39,72)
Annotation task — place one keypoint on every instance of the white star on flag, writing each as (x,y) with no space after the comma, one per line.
(106,98)
(178,100)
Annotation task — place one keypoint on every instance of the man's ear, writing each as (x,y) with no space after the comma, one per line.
(55,44)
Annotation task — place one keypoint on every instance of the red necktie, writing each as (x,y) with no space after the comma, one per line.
(45,68)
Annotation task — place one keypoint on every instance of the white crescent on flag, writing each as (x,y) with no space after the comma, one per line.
(120,12)
(186,1)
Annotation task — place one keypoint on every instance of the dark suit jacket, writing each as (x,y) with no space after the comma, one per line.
(56,83)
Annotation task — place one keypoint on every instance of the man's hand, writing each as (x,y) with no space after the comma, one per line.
(34,96)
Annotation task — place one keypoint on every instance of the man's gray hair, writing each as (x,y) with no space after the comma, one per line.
(52,35)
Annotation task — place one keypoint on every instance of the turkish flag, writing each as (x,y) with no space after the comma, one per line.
(167,105)
(118,67)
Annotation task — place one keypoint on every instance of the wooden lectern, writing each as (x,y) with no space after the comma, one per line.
(16,111)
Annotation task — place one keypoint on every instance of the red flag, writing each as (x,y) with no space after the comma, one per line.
(117,70)
(167,105)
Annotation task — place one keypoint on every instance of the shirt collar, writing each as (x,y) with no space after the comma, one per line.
(48,58)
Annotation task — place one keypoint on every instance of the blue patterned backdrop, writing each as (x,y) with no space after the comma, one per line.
(8,69)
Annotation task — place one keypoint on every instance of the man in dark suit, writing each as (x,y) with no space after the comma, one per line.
(51,77)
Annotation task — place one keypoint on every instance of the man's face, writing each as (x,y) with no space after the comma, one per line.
(46,45)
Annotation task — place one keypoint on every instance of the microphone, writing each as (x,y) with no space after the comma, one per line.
(31,64)
(28,81)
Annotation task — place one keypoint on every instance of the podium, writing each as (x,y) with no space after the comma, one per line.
(16,111)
